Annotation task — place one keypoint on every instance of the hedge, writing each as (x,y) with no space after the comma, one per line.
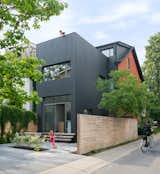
(15,116)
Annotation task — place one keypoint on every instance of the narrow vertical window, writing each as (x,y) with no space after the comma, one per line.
(129,64)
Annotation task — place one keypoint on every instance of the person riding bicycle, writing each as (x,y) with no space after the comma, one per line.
(147,131)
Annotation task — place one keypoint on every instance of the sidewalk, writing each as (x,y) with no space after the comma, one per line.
(88,165)
(85,165)
(59,161)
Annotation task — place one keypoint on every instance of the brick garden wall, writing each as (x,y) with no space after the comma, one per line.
(31,127)
(97,132)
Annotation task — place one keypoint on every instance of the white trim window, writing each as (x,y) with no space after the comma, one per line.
(108,52)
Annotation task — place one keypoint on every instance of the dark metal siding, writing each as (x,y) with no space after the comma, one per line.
(112,60)
(87,63)
(57,51)
(90,63)
(121,51)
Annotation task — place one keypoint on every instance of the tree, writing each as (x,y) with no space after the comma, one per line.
(123,94)
(151,67)
(13,71)
(16,17)
(151,71)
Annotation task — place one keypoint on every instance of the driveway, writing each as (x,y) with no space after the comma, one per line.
(128,159)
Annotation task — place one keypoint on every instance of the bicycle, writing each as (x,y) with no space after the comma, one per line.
(146,147)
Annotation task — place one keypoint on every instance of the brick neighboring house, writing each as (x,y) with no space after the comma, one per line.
(70,73)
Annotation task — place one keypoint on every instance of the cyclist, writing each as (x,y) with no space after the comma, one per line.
(147,131)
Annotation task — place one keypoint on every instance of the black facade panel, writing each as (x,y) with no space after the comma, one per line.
(121,51)
(56,51)
(87,64)
(55,87)
(112,60)
(90,64)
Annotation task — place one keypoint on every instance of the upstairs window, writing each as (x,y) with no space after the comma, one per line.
(108,52)
(129,64)
(58,71)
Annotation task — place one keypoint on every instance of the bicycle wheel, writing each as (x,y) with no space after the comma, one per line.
(143,147)
(150,140)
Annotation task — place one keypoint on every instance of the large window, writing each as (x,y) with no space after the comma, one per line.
(58,71)
(108,52)
(57,113)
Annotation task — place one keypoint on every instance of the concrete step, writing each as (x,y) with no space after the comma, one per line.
(64,134)
(61,136)
(63,139)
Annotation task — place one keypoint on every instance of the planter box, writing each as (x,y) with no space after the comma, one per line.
(27,147)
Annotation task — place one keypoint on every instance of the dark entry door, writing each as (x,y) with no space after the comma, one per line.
(50,117)
(57,116)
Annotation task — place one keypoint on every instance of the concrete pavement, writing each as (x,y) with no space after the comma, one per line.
(82,166)
(128,159)
(57,161)
(18,161)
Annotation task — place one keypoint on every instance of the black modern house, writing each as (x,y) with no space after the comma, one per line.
(72,66)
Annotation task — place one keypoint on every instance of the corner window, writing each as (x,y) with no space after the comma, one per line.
(58,71)
(108,52)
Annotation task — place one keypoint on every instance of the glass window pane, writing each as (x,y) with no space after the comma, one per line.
(57,71)
(129,64)
(108,52)
(111,52)
(49,112)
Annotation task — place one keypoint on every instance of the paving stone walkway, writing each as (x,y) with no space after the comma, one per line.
(54,161)
(18,161)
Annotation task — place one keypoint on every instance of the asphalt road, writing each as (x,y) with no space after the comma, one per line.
(128,159)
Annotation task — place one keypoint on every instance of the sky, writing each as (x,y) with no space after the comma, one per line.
(104,21)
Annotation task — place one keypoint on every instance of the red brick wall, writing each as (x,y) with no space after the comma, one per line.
(124,64)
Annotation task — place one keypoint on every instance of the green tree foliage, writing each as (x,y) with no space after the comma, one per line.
(151,66)
(16,17)
(13,71)
(123,94)
(151,71)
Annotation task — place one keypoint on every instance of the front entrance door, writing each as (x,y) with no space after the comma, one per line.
(57,116)
(50,117)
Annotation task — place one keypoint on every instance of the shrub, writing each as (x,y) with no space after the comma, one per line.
(18,118)
(28,140)
(156,130)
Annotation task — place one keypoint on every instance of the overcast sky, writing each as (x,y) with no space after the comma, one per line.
(104,21)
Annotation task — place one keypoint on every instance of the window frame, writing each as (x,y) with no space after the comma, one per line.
(129,63)
(109,52)
(52,65)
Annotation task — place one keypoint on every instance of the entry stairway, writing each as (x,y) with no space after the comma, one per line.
(64,137)
(61,136)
